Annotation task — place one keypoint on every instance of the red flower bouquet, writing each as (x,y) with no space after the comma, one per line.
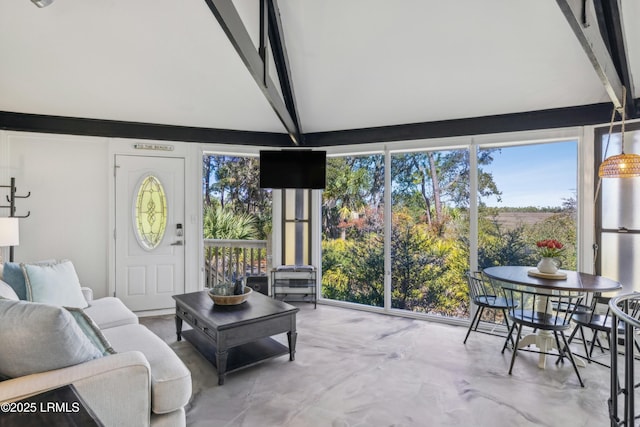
(550,248)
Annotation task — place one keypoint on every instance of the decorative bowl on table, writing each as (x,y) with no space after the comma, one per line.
(230,299)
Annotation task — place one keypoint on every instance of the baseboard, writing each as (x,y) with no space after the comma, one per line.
(162,312)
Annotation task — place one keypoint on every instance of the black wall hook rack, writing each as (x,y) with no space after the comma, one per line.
(11,198)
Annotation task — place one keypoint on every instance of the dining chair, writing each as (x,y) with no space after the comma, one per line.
(486,296)
(598,320)
(533,308)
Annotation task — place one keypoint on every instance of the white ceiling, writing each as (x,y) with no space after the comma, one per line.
(354,63)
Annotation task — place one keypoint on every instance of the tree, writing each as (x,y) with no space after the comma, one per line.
(233,183)
(438,177)
(353,183)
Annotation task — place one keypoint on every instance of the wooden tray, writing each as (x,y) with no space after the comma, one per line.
(535,273)
(231,299)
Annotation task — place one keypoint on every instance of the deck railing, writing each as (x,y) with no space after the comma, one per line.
(228,260)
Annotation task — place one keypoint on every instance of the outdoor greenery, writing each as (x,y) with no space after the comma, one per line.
(234,205)
(429,230)
(430,222)
(234,208)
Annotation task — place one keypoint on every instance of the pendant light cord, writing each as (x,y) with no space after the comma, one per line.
(606,149)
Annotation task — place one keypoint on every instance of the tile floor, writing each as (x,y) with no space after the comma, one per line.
(355,368)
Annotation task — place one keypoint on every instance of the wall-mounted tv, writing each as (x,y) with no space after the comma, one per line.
(293,169)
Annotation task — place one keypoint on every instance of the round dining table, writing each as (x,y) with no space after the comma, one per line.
(529,276)
(575,281)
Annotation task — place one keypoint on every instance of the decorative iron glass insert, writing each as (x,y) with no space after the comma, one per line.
(150,216)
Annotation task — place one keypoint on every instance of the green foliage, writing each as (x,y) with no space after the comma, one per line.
(232,183)
(429,225)
(353,185)
(427,270)
(499,246)
(353,271)
(429,231)
(222,223)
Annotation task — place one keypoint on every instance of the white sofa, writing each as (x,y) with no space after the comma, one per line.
(143,384)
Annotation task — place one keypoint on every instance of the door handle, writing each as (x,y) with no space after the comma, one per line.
(178,243)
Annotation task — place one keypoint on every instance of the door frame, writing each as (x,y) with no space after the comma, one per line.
(192,210)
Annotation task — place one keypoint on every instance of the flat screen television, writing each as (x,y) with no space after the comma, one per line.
(293,169)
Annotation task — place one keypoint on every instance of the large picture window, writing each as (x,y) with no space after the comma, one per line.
(430,233)
(535,200)
(353,230)
(400,228)
(522,193)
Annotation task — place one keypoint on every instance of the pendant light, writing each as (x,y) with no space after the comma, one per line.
(621,165)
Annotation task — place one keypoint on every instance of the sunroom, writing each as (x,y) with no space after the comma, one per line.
(457,135)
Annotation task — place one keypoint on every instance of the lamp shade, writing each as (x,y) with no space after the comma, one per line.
(9,232)
(620,166)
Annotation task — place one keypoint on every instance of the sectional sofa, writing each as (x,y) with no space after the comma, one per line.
(126,375)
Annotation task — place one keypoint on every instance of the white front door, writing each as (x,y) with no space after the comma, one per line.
(149,242)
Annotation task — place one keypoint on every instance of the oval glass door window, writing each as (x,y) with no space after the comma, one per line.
(150,216)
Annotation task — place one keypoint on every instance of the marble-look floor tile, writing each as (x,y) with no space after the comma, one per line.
(356,368)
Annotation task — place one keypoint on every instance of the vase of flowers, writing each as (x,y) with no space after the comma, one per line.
(550,251)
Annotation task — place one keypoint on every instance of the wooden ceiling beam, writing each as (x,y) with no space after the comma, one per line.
(516,122)
(281,60)
(614,34)
(120,129)
(594,114)
(232,25)
(582,19)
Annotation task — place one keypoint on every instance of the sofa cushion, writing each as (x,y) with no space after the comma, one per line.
(55,284)
(7,292)
(109,312)
(40,337)
(170,378)
(91,330)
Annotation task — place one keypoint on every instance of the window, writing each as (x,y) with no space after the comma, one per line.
(430,233)
(352,230)
(236,218)
(296,226)
(534,199)
(150,216)
(525,193)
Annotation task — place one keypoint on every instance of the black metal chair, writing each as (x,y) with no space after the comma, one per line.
(534,309)
(485,296)
(598,321)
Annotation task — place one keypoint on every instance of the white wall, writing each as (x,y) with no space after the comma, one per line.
(68,180)
(71,183)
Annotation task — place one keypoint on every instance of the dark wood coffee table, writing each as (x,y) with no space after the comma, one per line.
(233,337)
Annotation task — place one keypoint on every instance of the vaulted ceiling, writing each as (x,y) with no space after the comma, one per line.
(166,69)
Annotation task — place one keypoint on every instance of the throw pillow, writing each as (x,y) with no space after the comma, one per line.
(13,275)
(55,284)
(91,330)
(7,291)
(40,337)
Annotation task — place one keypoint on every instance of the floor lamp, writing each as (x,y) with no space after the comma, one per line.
(9,234)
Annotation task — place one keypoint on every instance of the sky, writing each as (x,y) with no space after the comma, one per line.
(538,175)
